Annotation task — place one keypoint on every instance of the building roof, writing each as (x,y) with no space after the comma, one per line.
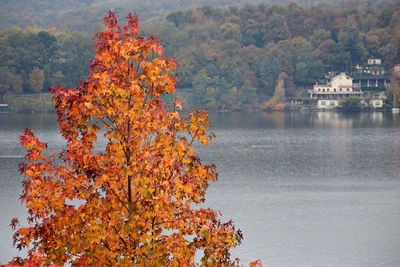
(371,77)
(341,74)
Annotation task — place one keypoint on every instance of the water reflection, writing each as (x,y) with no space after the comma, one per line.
(277,119)
(307,189)
(335,120)
(304,119)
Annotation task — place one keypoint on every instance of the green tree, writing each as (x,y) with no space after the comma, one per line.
(269,73)
(36,80)
(249,92)
(205,92)
(302,73)
(9,82)
(233,99)
(351,105)
(74,57)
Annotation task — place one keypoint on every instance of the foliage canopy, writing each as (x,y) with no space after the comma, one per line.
(131,203)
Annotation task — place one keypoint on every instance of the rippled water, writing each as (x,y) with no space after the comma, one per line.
(312,189)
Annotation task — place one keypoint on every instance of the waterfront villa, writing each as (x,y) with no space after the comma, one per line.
(368,84)
(372,77)
(332,94)
(342,87)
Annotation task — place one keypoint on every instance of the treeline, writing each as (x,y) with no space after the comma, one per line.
(231,58)
(86,15)
(32,60)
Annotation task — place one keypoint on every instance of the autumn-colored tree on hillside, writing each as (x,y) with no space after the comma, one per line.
(132,203)
(280,87)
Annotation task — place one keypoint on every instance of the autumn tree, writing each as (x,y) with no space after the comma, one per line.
(280,87)
(132,203)
(276,102)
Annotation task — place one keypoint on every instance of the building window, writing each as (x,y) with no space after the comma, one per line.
(323,90)
(347,89)
(323,103)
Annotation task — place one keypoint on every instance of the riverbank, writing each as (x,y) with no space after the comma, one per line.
(42,103)
(28,103)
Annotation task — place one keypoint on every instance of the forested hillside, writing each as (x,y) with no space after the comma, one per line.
(229,58)
(233,57)
(86,15)
(32,59)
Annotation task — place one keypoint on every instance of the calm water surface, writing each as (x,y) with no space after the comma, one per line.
(313,189)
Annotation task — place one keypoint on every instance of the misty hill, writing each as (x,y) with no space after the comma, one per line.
(86,15)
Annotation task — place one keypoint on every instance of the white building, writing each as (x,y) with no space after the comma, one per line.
(340,88)
(332,95)
(374,61)
(374,67)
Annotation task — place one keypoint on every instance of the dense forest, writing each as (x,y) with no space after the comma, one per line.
(229,58)
(233,57)
(86,15)
(33,59)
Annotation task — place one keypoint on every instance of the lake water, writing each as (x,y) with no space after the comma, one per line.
(306,189)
